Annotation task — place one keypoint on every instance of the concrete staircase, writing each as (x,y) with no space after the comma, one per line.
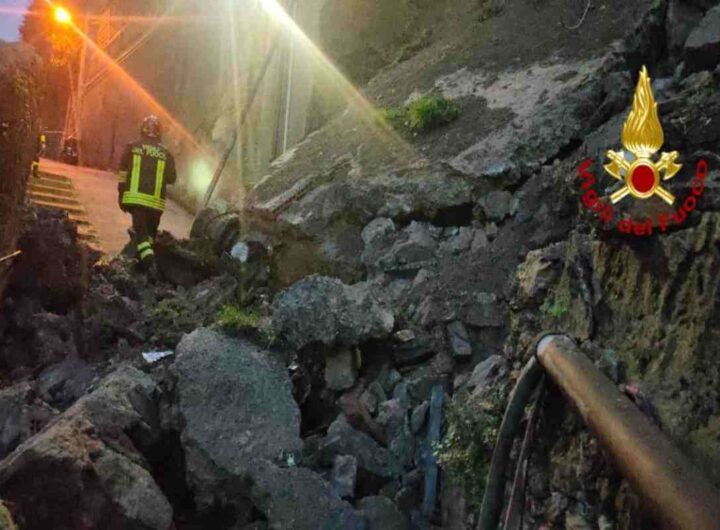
(56,191)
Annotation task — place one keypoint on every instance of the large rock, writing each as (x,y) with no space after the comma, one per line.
(702,48)
(486,373)
(65,382)
(394,416)
(342,439)
(408,250)
(459,340)
(343,476)
(240,427)
(34,339)
(235,402)
(325,310)
(497,205)
(298,499)
(86,469)
(539,270)
(341,370)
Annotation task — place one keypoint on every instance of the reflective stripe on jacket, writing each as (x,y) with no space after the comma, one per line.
(145,171)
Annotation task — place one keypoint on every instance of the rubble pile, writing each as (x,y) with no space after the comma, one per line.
(302,356)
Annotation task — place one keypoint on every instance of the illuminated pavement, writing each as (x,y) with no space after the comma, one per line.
(96,191)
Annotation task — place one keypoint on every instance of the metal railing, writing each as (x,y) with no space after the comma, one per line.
(671,485)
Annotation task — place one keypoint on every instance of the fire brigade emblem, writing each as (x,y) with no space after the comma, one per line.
(642,137)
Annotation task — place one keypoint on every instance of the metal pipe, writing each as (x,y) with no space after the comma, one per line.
(11,256)
(672,486)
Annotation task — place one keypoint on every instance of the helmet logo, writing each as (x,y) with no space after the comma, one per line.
(151,127)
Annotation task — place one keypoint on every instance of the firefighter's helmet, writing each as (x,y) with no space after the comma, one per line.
(151,127)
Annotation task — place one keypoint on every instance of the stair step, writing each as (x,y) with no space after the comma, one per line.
(88,237)
(53,176)
(91,241)
(51,183)
(70,208)
(55,199)
(80,220)
(86,230)
(57,191)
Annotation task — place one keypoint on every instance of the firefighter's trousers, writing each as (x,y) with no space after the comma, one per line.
(145,226)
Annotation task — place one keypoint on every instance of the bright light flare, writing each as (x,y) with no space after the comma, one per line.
(162,19)
(129,19)
(201,174)
(140,91)
(63,16)
(363,108)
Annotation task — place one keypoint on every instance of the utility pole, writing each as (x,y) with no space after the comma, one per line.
(81,90)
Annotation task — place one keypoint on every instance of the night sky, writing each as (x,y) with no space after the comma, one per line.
(10,22)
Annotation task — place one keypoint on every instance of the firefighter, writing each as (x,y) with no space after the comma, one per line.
(146,169)
(39,152)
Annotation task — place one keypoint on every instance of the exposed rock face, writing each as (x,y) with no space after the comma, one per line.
(241,427)
(702,49)
(19,95)
(86,470)
(326,311)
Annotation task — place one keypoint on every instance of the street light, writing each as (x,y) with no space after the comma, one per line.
(62,15)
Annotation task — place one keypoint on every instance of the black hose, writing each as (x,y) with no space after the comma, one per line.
(521,395)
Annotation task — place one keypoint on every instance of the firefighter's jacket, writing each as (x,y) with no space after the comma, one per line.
(146,168)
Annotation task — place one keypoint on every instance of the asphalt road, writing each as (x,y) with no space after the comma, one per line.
(97,191)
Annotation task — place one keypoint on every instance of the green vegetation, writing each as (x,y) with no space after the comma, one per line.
(430,112)
(466,450)
(423,114)
(167,312)
(559,307)
(234,318)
